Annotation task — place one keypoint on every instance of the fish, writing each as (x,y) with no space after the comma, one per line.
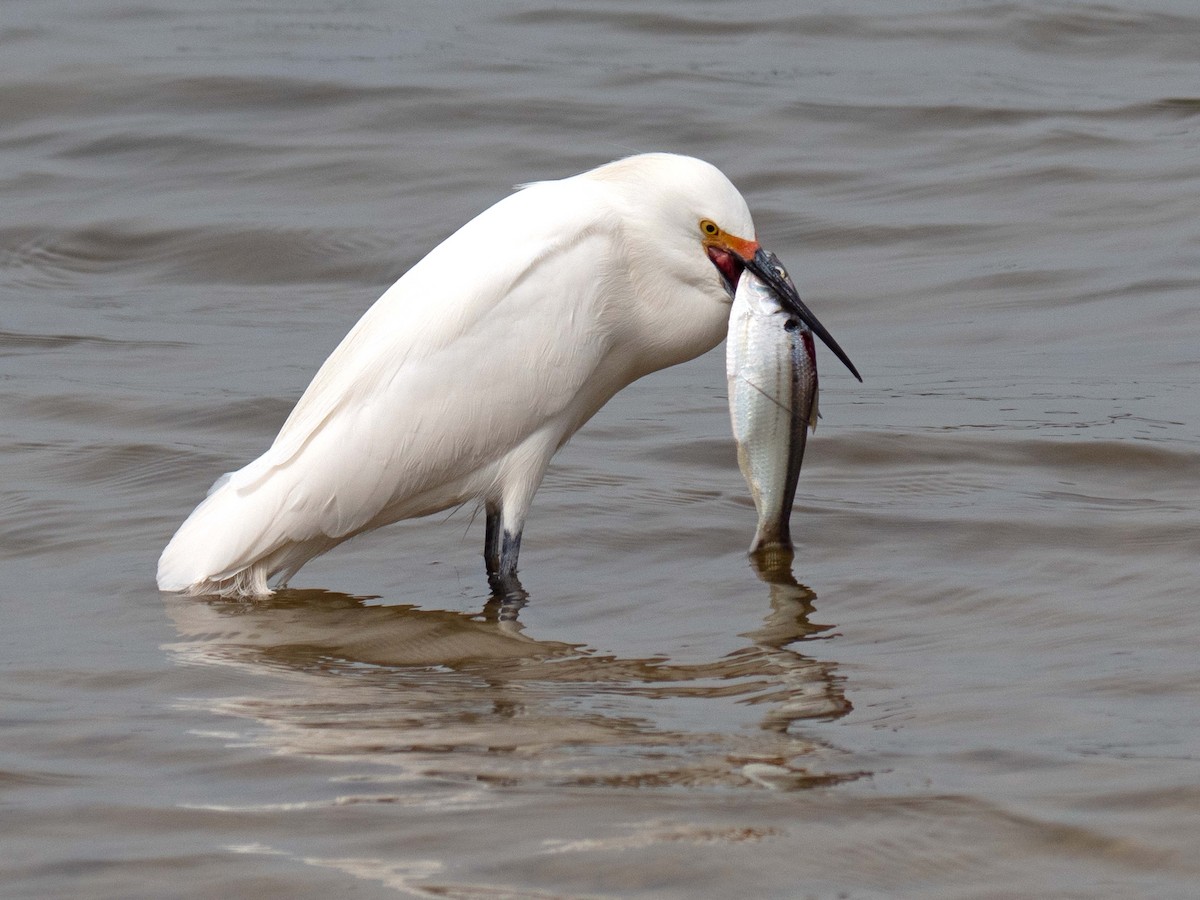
(771,368)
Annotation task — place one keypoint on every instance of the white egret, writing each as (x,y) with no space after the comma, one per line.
(465,377)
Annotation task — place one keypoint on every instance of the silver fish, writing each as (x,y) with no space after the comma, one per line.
(771,367)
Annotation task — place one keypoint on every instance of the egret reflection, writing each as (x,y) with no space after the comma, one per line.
(474,696)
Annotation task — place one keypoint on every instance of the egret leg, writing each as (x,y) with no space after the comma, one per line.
(521,472)
(506,586)
(501,548)
(510,547)
(491,540)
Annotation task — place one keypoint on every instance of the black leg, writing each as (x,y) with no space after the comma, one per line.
(491,541)
(503,578)
(500,551)
(500,546)
(509,549)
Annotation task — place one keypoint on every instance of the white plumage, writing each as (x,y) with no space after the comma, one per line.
(466,376)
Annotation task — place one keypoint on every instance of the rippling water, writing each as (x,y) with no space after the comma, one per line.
(979,677)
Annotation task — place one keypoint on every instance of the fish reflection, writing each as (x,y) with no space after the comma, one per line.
(472,697)
(803,690)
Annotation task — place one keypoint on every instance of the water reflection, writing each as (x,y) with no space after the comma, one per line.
(450,695)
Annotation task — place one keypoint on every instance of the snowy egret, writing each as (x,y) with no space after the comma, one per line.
(465,377)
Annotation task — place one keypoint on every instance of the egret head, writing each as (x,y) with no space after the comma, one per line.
(703,232)
(690,213)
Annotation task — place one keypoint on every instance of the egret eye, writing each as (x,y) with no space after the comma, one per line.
(709,227)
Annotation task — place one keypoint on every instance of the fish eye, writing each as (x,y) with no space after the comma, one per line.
(709,227)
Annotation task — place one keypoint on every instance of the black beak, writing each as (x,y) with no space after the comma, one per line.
(768,267)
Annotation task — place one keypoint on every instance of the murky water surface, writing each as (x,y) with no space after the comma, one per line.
(978,679)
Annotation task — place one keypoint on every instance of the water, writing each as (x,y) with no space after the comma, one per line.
(979,679)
